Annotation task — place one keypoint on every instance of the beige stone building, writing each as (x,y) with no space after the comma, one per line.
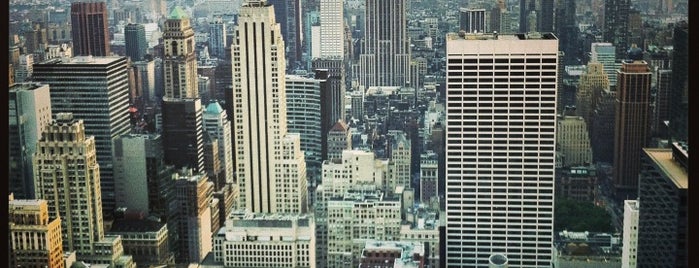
(573,141)
(35,239)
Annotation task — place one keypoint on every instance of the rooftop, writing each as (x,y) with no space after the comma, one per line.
(178,13)
(496,36)
(135,226)
(26,86)
(672,169)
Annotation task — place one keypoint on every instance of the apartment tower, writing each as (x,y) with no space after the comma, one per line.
(500,148)
(90,28)
(262,145)
(332,30)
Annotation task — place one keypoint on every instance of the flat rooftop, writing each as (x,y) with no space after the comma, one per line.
(674,171)
(26,86)
(496,36)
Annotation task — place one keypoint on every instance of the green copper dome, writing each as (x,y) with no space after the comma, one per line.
(178,13)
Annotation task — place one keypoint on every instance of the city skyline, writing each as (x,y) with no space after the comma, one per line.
(321,133)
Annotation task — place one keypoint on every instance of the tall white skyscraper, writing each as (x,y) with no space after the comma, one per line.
(630,242)
(332,30)
(262,146)
(500,148)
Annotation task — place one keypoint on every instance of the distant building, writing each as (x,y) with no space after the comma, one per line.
(472,20)
(90,28)
(663,213)
(586,250)
(145,240)
(577,183)
(272,240)
(605,53)
(217,38)
(573,141)
(332,27)
(616,27)
(422,226)
(135,40)
(590,86)
(218,126)
(392,254)
(602,127)
(429,179)
(339,140)
(303,115)
(400,159)
(35,239)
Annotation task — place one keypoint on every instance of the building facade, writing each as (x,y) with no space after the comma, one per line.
(35,239)
(332,29)
(135,41)
(29,114)
(574,141)
(217,125)
(629,255)
(631,132)
(500,127)
(218,38)
(472,20)
(662,198)
(192,199)
(90,26)
(303,116)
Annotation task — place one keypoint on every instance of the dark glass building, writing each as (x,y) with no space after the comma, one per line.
(90,28)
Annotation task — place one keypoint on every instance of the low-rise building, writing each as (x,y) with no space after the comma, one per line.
(145,240)
(587,250)
(391,254)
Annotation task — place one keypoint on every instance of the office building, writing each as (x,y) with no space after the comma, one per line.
(145,240)
(679,96)
(272,240)
(193,194)
(144,71)
(661,103)
(536,16)
(142,179)
(590,86)
(472,20)
(385,57)
(25,68)
(602,127)
(605,53)
(332,29)
(35,239)
(135,41)
(303,116)
(65,162)
(500,126)
(95,90)
(288,15)
(631,132)
(629,254)
(331,73)
(90,28)
(616,27)
(183,134)
(218,38)
(217,125)
(573,141)
(339,140)
(29,114)
(587,249)
(262,145)
(662,198)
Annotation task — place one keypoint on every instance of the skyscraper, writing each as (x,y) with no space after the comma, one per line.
(500,148)
(385,58)
(631,132)
(30,113)
(262,145)
(288,13)
(193,193)
(679,96)
(90,28)
(135,40)
(303,117)
(216,123)
(35,239)
(332,30)
(67,176)
(472,20)
(663,213)
(605,53)
(590,86)
(217,38)
(616,24)
(95,90)
(629,254)
(182,110)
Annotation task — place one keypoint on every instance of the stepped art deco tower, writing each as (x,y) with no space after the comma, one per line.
(270,166)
